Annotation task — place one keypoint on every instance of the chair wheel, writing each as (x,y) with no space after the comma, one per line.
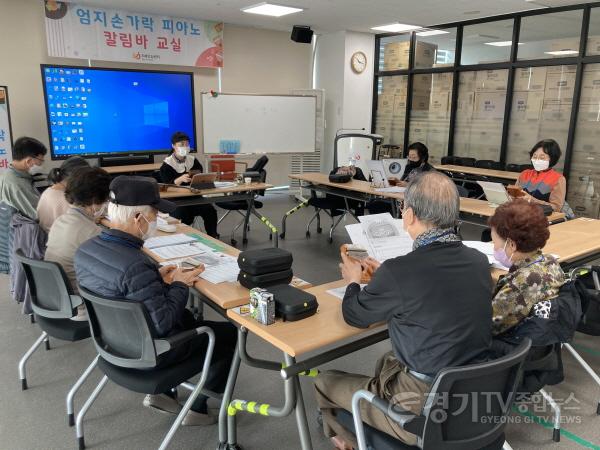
(270,237)
(24,384)
(598,409)
(319,230)
(556,435)
(71,419)
(233,242)
(244,241)
(31,318)
(330,240)
(308,234)
(282,235)
(81,443)
(47,343)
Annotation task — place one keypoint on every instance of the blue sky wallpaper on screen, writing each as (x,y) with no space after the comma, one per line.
(98,111)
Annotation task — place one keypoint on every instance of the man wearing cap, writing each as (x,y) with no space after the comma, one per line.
(114,265)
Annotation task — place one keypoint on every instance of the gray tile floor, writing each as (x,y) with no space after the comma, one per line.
(35,419)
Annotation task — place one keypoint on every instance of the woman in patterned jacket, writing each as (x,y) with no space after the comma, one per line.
(519,232)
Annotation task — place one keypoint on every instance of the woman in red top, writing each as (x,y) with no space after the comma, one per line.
(543,184)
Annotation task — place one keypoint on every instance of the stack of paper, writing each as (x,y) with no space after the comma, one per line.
(181,251)
(224,184)
(341,291)
(487,248)
(391,189)
(226,270)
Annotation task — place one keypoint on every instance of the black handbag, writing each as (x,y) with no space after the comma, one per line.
(250,281)
(339,178)
(265,260)
(293,304)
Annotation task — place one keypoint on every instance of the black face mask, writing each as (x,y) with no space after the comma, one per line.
(413,164)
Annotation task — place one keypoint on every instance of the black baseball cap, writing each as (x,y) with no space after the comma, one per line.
(138,191)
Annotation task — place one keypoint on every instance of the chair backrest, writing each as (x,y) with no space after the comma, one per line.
(259,164)
(462,191)
(513,167)
(121,329)
(6,213)
(523,167)
(464,161)
(451,160)
(590,322)
(467,406)
(489,164)
(51,293)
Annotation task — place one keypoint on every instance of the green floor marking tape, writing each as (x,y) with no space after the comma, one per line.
(591,351)
(563,432)
(208,242)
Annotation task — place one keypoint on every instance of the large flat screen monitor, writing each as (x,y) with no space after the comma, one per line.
(104,112)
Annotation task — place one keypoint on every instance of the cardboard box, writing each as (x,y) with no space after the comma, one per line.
(561,69)
(418,131)
(385,104)
(420,103)
(400,106)
(530,79)
(396,55)
(590,113)
(441,82)
(467,81)
(556,110)
(593,45)
(464,106)
(439,104)
(396,85)
(527,105)
(565,44)
(489,105)
(425,55)
(421,84)
(491,80)
(560,86)
(590,84)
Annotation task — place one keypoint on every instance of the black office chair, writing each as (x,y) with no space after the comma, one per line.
(590,322)
(450,160)
(330,206)
(513,167)
(6,213)
(129,353)
(464,161)
(445,421)
(241,206)
(489,164)
(54,304)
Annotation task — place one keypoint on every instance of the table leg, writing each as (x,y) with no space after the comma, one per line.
(300,411)
(227,396)
(247,219)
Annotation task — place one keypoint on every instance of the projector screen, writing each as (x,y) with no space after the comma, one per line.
(104,112)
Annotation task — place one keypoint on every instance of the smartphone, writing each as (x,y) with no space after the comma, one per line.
(356,252)
(515,191)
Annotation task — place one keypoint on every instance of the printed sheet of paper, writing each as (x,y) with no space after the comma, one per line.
(164,241)
(340,291)
(384,236)
(226,270)
(487,248)
(181,251)
(391,189)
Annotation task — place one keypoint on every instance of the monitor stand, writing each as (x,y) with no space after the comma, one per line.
(125,160)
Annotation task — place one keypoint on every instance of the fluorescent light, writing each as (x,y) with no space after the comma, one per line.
(396,27)
(269,9)
(501,43)
(563,52)
(432,32)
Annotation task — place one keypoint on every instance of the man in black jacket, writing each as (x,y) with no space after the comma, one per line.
(113,265)
(435,300)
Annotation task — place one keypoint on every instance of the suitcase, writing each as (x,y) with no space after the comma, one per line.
(265,260)
(293,304)
(250,281)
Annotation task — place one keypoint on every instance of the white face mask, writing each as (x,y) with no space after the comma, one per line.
(35,170)
(182,152)
(100,212)
(151,231)
(540,164)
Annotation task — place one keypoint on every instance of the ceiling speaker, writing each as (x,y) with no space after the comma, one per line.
(302,34)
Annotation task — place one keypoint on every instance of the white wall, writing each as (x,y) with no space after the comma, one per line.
(349,96)
(255,60)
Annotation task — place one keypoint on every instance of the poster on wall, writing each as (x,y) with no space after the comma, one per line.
(5,130)
(88,32)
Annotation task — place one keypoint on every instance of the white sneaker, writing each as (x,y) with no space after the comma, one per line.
(162,403)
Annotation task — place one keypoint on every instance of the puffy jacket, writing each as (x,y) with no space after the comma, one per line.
(113,265)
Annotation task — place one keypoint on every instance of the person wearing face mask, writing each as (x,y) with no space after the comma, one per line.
(52,202)
(418,156)
(543,184)
(113,265)
(16,183)
(87,193)
(176,169)
(519,232)
(435,300)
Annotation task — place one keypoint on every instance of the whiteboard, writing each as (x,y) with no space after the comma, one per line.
(262,123)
